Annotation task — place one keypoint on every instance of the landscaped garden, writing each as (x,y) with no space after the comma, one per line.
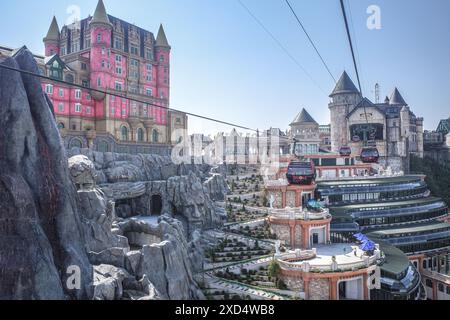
(234,251)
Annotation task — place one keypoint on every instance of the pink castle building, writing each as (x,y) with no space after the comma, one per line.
(106,53)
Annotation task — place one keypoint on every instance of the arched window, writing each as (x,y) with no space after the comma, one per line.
(56,71)
(140,135)
(155,136)
(124,134)
(61,126)
(75,143)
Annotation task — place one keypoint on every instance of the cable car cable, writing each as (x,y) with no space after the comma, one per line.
(123,97)
(310,40)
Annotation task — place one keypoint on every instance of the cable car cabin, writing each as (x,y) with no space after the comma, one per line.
(370,155)
(345,151)
(301,172)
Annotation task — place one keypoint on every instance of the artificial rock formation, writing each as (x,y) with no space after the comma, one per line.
(187,192)
(158,266)
(59,232)
(40,227)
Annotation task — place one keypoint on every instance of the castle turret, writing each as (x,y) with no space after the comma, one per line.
(51,41)
(345,97)
(419,135)
(162,50)
(100,27)
(405,124)
(397,99)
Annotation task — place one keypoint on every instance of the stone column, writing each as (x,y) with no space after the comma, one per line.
(298,199)
(328,233)
(283,198)
(333,289)
(420,264)
(306,288)
(292,233)
(305,237)
(434,289)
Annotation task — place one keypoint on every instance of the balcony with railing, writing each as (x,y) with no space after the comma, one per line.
(328,259)
(299,214)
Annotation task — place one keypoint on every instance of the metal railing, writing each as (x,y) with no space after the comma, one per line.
(306,266)
(299,214)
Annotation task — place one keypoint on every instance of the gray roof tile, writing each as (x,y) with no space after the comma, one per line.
(344,85)
(396,98)
(303,117)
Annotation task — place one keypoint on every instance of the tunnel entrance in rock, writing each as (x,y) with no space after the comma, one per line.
(156,205)
(124,208)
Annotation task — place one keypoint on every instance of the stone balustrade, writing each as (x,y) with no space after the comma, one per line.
(299,214)
(286,263)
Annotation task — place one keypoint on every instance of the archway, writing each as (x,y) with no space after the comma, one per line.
(155,136)
(75,143)
(156,205)
(124,133)
(140,135)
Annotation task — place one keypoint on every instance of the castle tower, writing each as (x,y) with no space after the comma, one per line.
(419,134)
(344,97)
(405,113)
(100,28)
(162,52)
(405,120)
(51,41)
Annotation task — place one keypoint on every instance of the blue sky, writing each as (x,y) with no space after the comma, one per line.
(225,66)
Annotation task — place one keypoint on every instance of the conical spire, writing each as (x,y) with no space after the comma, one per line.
(161,39)
(344,85)
(386,100)
(303,117)
(396,98)
(53,31)
(100,15)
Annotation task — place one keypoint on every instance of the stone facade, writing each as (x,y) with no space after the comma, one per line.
(277,197)
(319,289)
(290,199)
(294,284)
(306,132)
(298,236)
(395,130)
(282,232)
(105,53)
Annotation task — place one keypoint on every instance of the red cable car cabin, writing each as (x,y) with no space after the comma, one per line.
(345,151)
(301,172)
(370,155)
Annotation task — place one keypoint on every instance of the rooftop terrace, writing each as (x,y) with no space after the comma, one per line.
(322,261)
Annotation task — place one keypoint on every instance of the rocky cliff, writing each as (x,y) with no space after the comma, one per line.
(40,228)
(60,233)
(136,182)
